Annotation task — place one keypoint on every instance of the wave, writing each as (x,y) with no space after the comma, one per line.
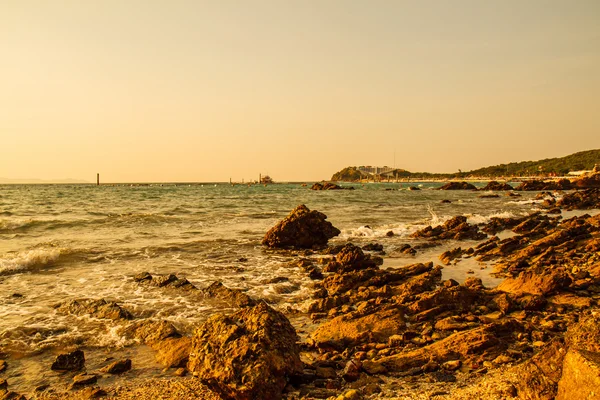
(29,260)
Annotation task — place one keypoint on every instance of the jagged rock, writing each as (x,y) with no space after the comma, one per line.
(301,229)
(461,344)
(359,327)
(248,355)
(233,296)
(458,186)
(532,282)
(2,365)
(73,361)
(149,331)
(373,247)
(588,180)
(170,281)
(580,379)
(493,185)
(328,186)
(456,228)
(83,379)
(173,352)
(352,258)
(450,255)
(580,200)
(561,184)
(117,367)
(95,308)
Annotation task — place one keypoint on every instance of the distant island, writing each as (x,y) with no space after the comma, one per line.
(563,166)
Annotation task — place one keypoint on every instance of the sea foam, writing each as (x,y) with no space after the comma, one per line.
(28,260)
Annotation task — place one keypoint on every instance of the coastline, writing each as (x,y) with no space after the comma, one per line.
(419,382)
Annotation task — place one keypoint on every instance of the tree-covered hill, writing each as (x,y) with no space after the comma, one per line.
(584,160)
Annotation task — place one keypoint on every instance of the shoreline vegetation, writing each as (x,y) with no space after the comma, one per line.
(388,333)
(552,168)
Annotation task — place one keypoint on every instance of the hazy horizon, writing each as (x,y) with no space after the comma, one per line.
(201,91)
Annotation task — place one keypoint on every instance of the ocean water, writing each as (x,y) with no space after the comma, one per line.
(63,242)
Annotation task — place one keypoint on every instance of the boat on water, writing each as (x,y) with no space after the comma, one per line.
(266,179)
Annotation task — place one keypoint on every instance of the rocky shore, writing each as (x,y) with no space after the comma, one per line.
(371,332)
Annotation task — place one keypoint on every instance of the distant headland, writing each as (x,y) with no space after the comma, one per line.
(573,164)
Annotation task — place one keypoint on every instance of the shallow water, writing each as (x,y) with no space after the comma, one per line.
(62,242)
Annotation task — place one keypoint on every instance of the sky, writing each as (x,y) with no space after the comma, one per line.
(205,91)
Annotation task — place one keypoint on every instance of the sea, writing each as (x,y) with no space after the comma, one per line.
(64,242)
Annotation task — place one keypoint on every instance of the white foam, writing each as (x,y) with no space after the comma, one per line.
(483,219)
(28,260)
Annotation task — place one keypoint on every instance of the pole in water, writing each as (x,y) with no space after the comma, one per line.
(259,179)
(97,179)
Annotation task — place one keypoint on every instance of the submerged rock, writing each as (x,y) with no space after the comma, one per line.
(248,355)
(95,308)
(301,229)
(234,297)
(73,361)
(328,186)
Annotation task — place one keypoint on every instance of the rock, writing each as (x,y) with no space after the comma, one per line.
(531,282)
(73,361)
(91,393)
(248,355)
(450,255)
(456,228)
(414,188)
(488,196)
(352,258)
(452,365)
(173,352)
(83,379)
(587,180)
(580,200)
(180,372)
(561,184)
(234,297)
(2,365)
(359,327)
(539,376)
(117,367)
(493,185)
(446,201)
(95,308)
(458,186)
(352,371)
(580,379)
(373,247)
(462,344)
(328,186)
(301,229)
(149,331)
(3,384)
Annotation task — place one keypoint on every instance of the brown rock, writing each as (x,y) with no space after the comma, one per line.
(150,331)
(83,379)
(493,185)
(450,255)
(543,283)
(248,355)
(301,229)
(580,378)
(234,297)
(95,308)
(173,352)
(458,186)
(73,361)
(117,367)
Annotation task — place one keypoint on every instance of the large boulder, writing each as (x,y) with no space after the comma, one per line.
(588,180)
(301,229)
(531,282)
(235,297)
(248,355)
(580,378)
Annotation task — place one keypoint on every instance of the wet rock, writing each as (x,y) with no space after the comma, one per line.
(301,229)
(446,201)
(456,228)
(95,308)
(328,186)
(83,379)
(588,180)
(3,384)
(488,196)
(117,367)
(580,200)
(149,331)
(450,255)
(458,186)
(248,355)
(73,361)
(496,186)
(407,249)
(533,185)
(352,258)
(413,188)
(580,379)
(2,365)
(234,297)
(373,247)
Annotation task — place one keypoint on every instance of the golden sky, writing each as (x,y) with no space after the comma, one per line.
(178,90)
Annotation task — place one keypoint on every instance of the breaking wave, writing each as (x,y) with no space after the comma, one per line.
(29,260)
